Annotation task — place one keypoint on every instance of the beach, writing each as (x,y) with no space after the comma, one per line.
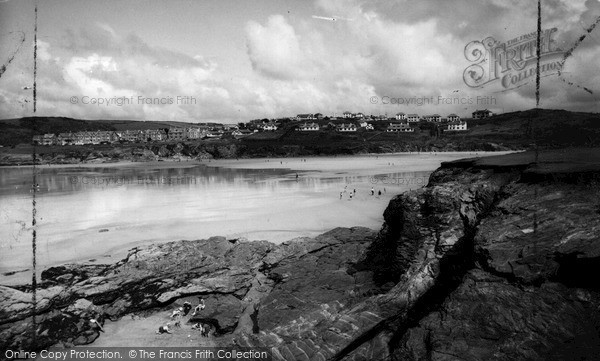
(95,213)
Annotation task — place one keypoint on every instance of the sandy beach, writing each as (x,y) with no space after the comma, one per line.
(273,199)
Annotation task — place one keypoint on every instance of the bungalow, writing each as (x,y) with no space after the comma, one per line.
(480,114)
(305,117)
(400,116)
(458,126)
(269,127)
(412,118)
(453,118)
(400,127)
(239,133)
(346,127)
(309,127)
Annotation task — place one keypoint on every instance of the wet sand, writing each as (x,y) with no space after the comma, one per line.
(101,224)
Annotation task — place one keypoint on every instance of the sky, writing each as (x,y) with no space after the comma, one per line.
(233,61)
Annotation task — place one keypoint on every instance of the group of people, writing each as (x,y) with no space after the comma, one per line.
(178,313)
(353,193)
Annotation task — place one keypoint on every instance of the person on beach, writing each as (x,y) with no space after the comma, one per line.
(164,329)
(372,191)
(341,194)
(350,196)
(379,193)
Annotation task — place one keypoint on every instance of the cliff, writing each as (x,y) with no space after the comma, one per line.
(494,260)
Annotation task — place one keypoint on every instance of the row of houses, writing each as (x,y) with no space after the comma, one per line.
(402,127)
(107,137)
(411,118)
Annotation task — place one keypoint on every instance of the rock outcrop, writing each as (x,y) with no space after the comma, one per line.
(496,259)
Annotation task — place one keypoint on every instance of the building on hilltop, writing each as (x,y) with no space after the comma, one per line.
(399,127)
(350,127)
(412,118)
(308,127)
(453,118)
(480,114)
(456,126)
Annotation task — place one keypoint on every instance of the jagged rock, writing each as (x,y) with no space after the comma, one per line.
(488,318)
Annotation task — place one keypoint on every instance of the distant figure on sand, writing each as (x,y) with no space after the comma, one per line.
(379,193)
(350,196)
(372,191)
(163,329)
(341,194)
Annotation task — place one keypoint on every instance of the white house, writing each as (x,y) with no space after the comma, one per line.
(308,127)
(460,126)
(347,115)
(453,118)
(269,127)
(346,127)
(400,127)
(436,118)
(400,116)
(305,117)
(412,118)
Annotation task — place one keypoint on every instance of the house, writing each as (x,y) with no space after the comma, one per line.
(480,114)
(435,118)
(358,115)
(400,127)
(347,115)
(412,118)
(269,127)
(318,116)
(453,118)
(37,139)
(346,127)
(193,133)
(240,133)
(156,135)
(363,124)
(308,127)
(369,127)
(305,117)
(177,134)
(400,116)
(458,126)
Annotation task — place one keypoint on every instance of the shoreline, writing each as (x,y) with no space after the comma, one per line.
(319,167)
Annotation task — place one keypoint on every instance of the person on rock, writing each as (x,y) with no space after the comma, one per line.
(177,313)
(199,308)
(187,307)
(96,325)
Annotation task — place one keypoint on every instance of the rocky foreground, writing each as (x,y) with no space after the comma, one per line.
(496,259)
